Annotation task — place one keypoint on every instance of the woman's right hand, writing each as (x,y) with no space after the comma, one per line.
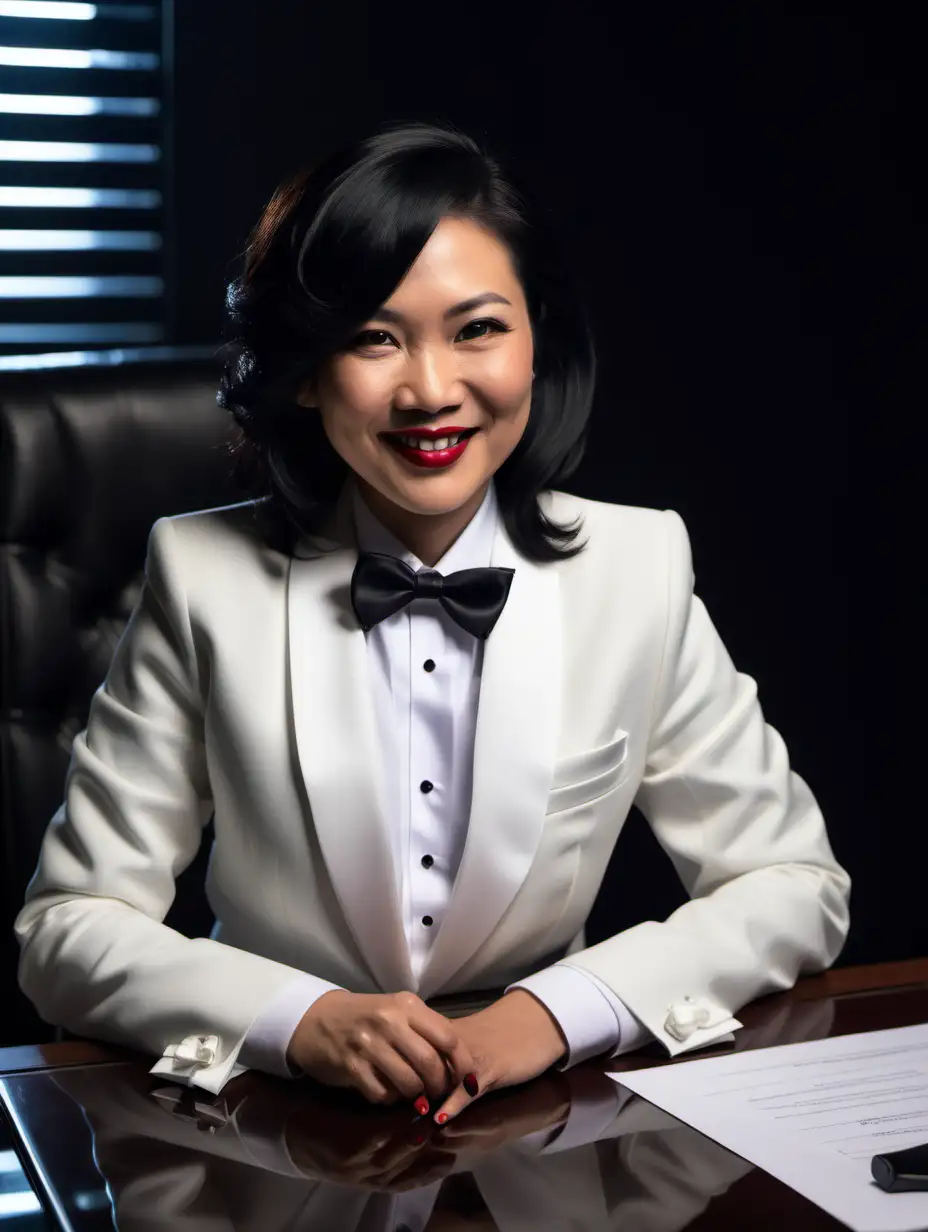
(388,1046)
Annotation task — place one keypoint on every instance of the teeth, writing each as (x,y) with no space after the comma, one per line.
(427,445)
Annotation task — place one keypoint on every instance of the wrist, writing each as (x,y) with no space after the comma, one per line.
(294,1053)
(538,1022)
(303,1044)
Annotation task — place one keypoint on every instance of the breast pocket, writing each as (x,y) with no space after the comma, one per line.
(583,777)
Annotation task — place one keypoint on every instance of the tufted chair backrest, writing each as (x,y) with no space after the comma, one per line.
(89,459)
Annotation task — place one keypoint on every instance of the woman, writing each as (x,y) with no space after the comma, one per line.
(419,688)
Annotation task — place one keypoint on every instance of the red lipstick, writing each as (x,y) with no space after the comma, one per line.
(430,459)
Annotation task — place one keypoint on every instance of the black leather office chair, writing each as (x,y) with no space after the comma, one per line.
(89,459)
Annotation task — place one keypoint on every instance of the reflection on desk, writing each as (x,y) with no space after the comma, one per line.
(116,1147)
(20,1209)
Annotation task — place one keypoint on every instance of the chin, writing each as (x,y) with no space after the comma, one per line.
(434,493)
(434,504)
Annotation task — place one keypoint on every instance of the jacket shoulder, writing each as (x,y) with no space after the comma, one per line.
(210,542)
(241,521)
(604,519)
(629,536)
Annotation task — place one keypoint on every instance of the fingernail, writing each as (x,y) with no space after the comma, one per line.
(441,1118)
(470,1085)
(418,1139)
(421,1105)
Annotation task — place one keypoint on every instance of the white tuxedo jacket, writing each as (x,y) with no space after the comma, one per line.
(240,689)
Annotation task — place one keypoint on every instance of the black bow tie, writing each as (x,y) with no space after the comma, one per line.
(382,585)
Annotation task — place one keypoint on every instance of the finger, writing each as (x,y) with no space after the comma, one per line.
(428,1063)
(441,1034)
(364,1079)
(396,1021)
(459,1099)
(393,1068)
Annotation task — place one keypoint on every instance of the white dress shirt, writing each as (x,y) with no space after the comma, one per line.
(425,677)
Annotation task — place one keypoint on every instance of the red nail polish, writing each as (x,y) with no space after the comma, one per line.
(470,1085)
(418,1139)
(421,1105)
(441,1118)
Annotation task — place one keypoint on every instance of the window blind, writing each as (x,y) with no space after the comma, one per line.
(83,178)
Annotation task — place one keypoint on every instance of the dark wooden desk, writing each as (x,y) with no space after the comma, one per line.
(93,1127)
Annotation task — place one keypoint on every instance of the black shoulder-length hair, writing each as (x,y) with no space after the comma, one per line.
(329,249)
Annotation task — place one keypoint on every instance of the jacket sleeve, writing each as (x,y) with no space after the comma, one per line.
(96,956)
(768,900)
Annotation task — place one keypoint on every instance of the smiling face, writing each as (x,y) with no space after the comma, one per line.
(433,357)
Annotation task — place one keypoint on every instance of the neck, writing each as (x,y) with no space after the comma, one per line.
(427,535)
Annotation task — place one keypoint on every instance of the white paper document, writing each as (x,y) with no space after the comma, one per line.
(813,1115)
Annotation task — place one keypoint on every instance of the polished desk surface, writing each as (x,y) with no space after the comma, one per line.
(105,1144)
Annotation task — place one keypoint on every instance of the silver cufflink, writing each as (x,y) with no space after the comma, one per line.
(686,1017)
(196,1050)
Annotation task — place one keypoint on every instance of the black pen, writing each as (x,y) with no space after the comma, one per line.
(901,1171)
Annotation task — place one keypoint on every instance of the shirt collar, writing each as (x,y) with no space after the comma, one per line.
(471,550)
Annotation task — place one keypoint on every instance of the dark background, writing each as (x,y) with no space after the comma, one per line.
(730,199)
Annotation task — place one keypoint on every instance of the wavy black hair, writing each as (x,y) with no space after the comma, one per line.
(329,249)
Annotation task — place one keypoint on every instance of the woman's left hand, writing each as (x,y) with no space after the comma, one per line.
(513,1040)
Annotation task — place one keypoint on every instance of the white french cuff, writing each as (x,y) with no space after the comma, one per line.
(695,1022)
(193,1063)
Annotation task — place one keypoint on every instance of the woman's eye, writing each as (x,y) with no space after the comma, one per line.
(472,331)
(485,325)
(371,337)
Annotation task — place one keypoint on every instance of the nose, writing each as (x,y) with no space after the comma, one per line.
(429,382)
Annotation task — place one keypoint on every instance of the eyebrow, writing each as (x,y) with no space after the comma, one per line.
(466,305)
